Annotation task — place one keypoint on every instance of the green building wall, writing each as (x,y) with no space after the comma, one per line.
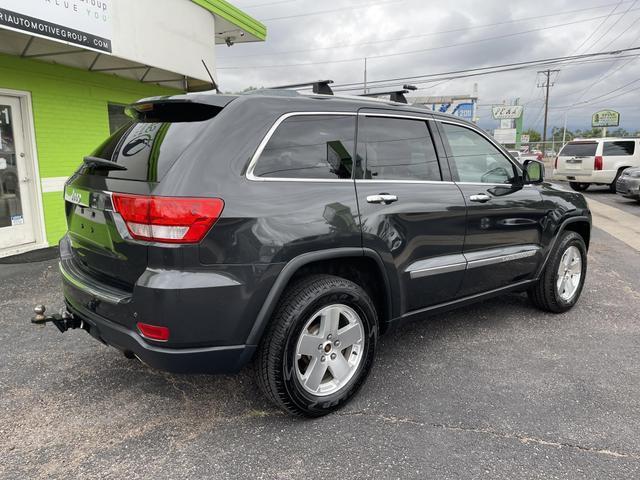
(70,117)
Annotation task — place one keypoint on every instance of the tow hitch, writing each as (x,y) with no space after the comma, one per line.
(63,320)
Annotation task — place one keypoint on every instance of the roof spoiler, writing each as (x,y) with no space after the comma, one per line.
(178,108)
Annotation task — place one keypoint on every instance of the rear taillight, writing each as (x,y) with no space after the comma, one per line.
(167,219)
(539,157)
(153,332)
(555,163)
(597,163)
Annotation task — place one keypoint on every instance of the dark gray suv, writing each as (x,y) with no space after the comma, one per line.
(291,230)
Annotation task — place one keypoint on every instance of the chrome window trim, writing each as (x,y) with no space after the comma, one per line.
(263,143)
(375,180)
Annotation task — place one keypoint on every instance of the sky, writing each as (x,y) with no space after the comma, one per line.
(311,40)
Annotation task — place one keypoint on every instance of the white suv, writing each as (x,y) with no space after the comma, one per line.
(598,161)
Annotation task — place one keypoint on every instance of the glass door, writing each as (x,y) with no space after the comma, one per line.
(16,186)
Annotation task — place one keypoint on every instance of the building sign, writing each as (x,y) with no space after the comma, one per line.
(505,135)
(85,23)
(506,112)
(463,106)
(605,118)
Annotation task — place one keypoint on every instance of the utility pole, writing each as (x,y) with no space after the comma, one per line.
(546,84)
(365,75)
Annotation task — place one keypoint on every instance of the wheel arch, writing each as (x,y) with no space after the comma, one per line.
(579,224)
(340,262)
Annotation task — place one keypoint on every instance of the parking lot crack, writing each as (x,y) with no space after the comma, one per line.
(522,438)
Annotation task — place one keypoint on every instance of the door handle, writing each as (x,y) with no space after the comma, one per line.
(480,198)
(25,180)
(383,198)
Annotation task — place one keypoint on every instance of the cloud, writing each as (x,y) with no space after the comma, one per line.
(380,29)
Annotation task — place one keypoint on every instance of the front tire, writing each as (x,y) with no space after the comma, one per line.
(320,346)
(579,187)
(562,280)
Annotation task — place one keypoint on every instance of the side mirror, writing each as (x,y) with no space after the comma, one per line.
(533,172)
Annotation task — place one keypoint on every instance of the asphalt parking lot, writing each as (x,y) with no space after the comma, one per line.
(496,390)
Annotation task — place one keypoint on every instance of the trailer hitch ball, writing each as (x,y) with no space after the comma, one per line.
(63,320)
(39,318)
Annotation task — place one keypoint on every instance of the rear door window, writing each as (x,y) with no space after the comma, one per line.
(619,149)
(311,147)
(579,149)
(397,149)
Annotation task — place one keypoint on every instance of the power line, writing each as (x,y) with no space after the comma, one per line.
(613,24)
(603,95)
(494,68)
(322,12)
(408,52)
(422,35)
(633,24)
(597,28)
(394,82)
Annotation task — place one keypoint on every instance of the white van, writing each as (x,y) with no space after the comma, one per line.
(597,161)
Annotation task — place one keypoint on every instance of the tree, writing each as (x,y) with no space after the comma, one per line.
(534,135)
(557,134)
(618,132)
(593,133)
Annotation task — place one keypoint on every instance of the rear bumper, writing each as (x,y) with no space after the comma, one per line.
(226,359)
(209,312)
(598,176)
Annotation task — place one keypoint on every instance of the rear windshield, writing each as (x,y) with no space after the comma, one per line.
(619,149)
(579,149)
(147,150)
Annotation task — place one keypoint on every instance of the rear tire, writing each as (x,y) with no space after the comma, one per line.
(579,187)
(338,316)
(562,280)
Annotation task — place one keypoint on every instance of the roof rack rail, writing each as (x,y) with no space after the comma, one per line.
(319,86)
(395,95)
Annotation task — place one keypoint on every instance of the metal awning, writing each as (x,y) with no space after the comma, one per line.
(28,46)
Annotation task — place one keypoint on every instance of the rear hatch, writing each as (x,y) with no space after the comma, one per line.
(132,161)
(577,157)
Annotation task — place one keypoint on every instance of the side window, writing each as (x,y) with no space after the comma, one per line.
(396,149)
(619,149)
(475,158)
(310,146)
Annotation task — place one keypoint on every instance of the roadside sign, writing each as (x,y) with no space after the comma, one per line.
(504,112)
(505,135)
(605,118)
(524,138)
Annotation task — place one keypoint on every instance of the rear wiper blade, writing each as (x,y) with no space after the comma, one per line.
(102,163)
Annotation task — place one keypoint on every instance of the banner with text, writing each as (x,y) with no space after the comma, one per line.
(86,23)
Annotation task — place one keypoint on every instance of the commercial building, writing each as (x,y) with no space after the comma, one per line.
(67,68)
